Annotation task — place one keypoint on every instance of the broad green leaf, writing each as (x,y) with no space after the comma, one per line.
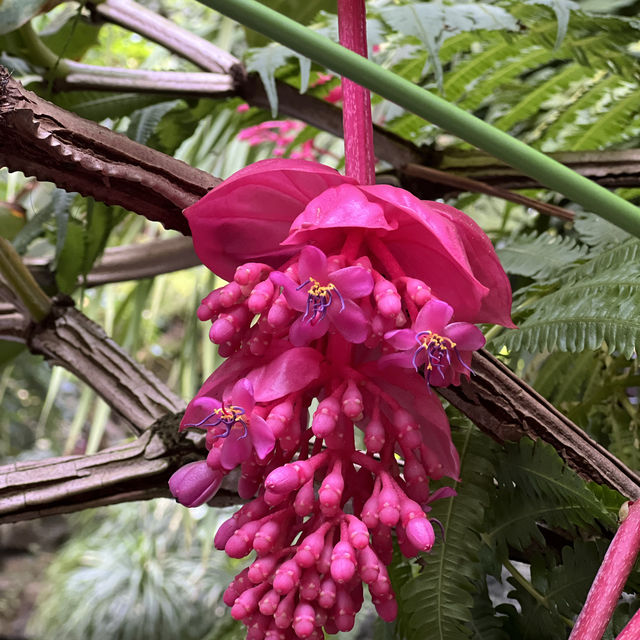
(71,38)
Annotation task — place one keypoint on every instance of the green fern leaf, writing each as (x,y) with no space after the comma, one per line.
(439,597)
(144,121)
(562,9)
(539,256)
(597,232)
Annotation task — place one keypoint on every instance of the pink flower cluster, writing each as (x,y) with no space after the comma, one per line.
(339,295)
(280,133)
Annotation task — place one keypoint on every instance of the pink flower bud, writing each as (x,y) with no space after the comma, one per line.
(304,618)
(289,477)
(262,568)
(229,326)
(284,613)
(325,417)
(273,498)
(409,510)
(344,612)
(328,591)
(309,584)
(280,315)
(352,402)
(387,607)
(387,298)
(240,543)
(195,483)
(374,436)
(267,537)
(343,562)
(418,291)
(238,585)
(259,343)
(330,492)
(260,297)
(269,602)
(381,586)
(420,533)
(310,548)
(210,306)
(432,464)
(368,565)
(305,500)
(250,272)
(388,506)
(230,294)
(370,510)
(416,479)
(225,531)
(407,548)
(280,417)
(250,480)
(358,532)
(247,602)
(324,561)
(287,577)
(408,429)
(257,626)
(382,544)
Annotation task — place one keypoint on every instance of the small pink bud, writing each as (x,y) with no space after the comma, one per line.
(257,626)
(224,532)
(387,607)
(407,548)
(310,548)
(230,294)
(309,584)
(374,436)
(330,492)
(240,543)
(259,343)
(408,429)
(195,483)
(409,510)
(328,591)
(352,402)
(280,417)
(269,602)
(358,532)
(304,620)
(287,577)
(368,565)
(343,562)
(238,585)
(382,544)
(280,315)
(284,613)
(418,291)
(262,568)
(344,612)
(247,602)
(370,510)
(387,298)
(274,498)
(381,586)
(388,506)
(267,536)
(416,479)
(229,326)
(305,500)
(432,464)
(289,477)
(325,417)
(210,306)
(250,272)
(260,297)
(324,561)
(420,533)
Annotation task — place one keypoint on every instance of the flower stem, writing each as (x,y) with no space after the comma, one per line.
(356,100)
(387,84)
(608,583)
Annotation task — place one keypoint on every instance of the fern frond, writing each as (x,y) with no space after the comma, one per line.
(439,597)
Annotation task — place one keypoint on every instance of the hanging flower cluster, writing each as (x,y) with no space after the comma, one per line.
(345,305)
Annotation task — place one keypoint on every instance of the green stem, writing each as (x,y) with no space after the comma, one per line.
(387,84)
(39,54)
(22,283)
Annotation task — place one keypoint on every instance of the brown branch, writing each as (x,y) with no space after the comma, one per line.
(70,339)
(138,470)
(52,144)
(506,408)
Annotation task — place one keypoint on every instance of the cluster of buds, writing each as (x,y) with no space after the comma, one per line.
(337,326)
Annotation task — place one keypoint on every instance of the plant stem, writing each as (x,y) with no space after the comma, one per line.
(608,583)
(22,283)
(533,163)
(356,100)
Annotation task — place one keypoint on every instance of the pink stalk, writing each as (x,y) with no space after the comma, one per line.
(632,628)
(607,586)
(356,114)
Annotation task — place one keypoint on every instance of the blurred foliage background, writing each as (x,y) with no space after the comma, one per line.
(562,76)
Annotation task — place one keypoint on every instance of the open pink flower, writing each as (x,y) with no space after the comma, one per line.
(443,349)
(242,429)
(325,298)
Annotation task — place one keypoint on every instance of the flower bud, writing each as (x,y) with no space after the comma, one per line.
(387,298)
(240,543)
(420,533)
(269,602)
(280,314)
(304,620)
(247,602)
(210,306)
(309,584)
(325,417)
(238,585)
(357,531)
(195,483)
(382,543)
(310,548)
(250,272)
(418,291)
(262,568)
(289,477)
(387,607)
(368,565)
(343,562)
(344,612)
(381,586)
(284,613)
(280,417)
(388,506)
(305,500)
(352,402)
(374,435)
(369,513)
(287,577)
(328,591)
(230,295)
(260,297)
(408,429)
(229,326)
(224,532)
(330,492)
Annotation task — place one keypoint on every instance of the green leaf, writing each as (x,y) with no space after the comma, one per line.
(15,13)
(539,256)
(144,121)
(438,600)
(597,232)
(72,37)
(562,9)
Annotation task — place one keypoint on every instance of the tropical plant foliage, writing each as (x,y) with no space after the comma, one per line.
(525,535)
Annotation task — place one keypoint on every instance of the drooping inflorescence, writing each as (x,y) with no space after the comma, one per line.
(339,295)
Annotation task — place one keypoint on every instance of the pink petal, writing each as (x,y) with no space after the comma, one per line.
(313,264)
(235,449)
(466,336)
(197,411)
(291,371)
(401,339)
(296,298)
(248,215)
(352,282)
(434,316)
(404,360)
(350,321)
(261,436)
(337,208)
(242,395)
(303,332)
